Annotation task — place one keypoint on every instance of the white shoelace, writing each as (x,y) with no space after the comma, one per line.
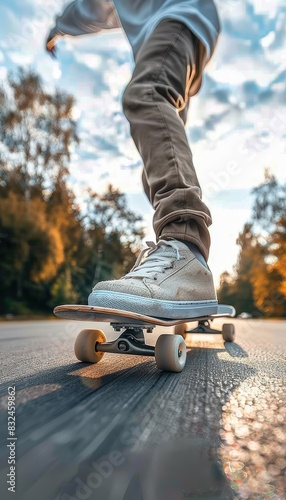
(156,262)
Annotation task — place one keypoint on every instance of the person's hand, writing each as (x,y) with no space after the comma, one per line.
(51,43)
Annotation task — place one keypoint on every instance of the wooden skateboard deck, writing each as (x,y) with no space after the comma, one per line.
(102,314)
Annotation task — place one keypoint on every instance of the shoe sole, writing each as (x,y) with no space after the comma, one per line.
(171,309)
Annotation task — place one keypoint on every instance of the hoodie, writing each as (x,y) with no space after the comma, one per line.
(138,18)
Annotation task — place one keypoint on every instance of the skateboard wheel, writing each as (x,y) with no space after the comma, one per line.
(170,353)
(85,345)
(228,332)
(181,330)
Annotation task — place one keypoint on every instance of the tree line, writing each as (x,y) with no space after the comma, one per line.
(258,283)
(52,250)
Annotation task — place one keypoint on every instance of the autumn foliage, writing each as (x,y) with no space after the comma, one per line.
(258,284)
(51,250)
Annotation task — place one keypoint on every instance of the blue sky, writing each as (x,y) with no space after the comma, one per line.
(236,125)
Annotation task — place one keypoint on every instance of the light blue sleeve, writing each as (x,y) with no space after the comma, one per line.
(81,17)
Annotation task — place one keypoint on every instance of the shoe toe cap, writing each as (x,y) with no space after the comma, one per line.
(130,286)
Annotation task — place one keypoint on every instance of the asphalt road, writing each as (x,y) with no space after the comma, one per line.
(123,430)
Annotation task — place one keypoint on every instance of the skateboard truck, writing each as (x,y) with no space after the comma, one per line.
(203,327)
(119,326)
(131,341)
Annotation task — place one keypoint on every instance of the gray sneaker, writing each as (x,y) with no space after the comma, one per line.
(169,282)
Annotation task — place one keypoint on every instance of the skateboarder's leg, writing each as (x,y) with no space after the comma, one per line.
(155,103)
(173,280)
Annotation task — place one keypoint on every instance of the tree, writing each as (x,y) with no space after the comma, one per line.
(269,202)
(31,249)
(37,133)
(114,234)
(259,282)
(238,289)
(278,242)
(62,290)
(227,292)
(265,281)
(268,275)
(52,251)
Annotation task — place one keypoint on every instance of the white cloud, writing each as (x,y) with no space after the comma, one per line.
(3,72)
(20,58)
(92,61)
(267,7)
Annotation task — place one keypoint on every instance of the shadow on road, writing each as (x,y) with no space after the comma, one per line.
(235,350)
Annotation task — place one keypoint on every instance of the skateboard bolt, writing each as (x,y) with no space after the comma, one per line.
(123,346)
(180,353)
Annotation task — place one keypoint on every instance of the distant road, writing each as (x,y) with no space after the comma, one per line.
(123,430)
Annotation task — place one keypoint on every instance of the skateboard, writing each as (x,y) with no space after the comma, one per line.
(170,350)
